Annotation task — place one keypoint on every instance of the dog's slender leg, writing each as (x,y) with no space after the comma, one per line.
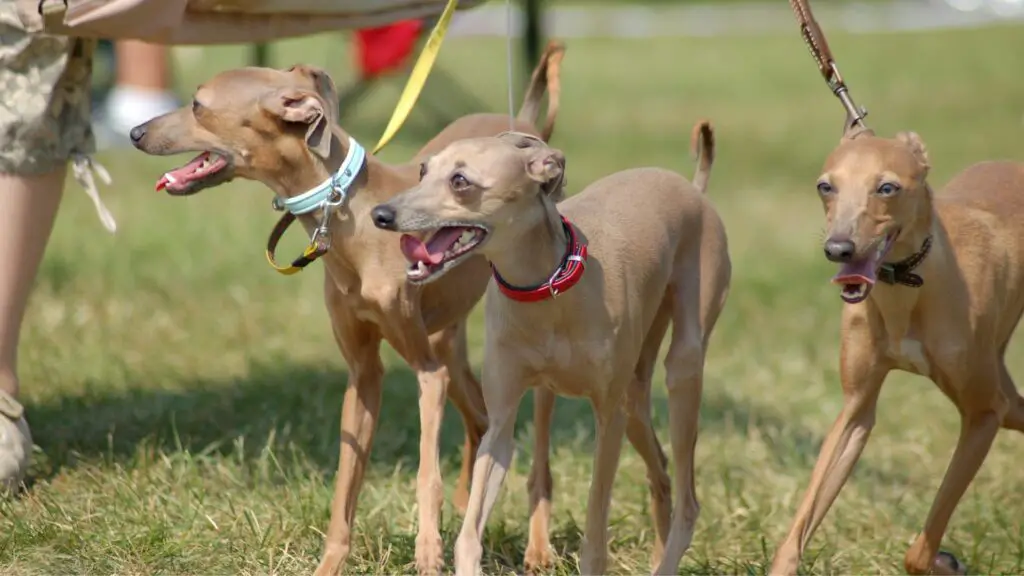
(538,543)
(503,389)
(429,485)
(982,406)
(610,430)
(464,392)
(360,345)
(641,434)
(684,366)
(862,372)
(640,431)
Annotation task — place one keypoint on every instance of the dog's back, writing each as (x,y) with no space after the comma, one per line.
(982,209)
(653,221)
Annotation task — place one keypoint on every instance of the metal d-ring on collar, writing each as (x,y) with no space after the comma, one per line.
(328,195)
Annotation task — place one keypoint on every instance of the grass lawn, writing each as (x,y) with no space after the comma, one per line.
(185,398)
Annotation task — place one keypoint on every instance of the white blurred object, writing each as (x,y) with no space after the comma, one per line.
(126,107)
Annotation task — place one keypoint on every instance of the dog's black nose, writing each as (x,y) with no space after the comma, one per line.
(137,133)
(839,250)
(383,217)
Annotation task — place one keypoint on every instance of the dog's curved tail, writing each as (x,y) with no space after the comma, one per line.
(702,146)
(546,77)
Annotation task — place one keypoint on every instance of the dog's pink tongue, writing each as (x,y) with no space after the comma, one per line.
(432,251)
(181,174)
(415,250)
(860,271)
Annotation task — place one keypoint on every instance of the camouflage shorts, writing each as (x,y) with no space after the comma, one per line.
(45,112)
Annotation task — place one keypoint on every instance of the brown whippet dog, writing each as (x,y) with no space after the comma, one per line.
(933,285)
(632,253)
(277,127)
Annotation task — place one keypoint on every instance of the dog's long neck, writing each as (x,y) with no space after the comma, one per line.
(535,250)
(914,233)
(899,304)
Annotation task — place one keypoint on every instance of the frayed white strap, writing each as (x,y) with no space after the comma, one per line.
(83,166)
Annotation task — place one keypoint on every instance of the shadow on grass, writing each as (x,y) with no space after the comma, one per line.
(297,407)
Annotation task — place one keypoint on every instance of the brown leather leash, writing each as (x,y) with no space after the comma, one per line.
(822,54)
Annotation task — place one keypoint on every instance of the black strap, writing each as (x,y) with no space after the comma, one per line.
(902,272)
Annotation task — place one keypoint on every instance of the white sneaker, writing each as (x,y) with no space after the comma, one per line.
(15,443)
(125,108)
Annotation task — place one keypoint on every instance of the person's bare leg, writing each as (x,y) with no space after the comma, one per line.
(30,207)
(143,65)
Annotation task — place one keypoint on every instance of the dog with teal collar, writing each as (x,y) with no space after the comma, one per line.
(278,127)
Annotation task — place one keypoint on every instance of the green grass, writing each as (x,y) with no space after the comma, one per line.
(185,398)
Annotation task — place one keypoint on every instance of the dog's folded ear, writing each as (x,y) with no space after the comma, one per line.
(324,86)
(916,146)
(547,166)
(302,107)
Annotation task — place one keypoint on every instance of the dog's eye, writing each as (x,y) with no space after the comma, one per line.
(459,182)
(888,189)
(423,171)
(824,188)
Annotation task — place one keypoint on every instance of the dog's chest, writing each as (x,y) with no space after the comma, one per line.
(569,365)
(908,354)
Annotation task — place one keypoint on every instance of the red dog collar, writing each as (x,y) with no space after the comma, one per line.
(568,273)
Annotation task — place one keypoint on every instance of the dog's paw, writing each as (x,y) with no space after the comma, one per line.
(332,562)
(538,558)
(429,554)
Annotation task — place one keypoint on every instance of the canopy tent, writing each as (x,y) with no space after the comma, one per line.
(218,21)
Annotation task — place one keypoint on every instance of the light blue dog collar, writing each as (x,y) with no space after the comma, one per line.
(332,191)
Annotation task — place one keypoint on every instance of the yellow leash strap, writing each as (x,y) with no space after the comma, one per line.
(316,248)
(418,77)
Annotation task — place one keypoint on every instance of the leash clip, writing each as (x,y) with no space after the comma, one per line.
(855,115)
(551,282)
(334,200)
(323,227)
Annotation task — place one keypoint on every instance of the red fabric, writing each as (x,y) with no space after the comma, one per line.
(382,49)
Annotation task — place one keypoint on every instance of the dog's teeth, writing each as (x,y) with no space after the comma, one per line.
(418,270)
(170,178)
(466,237)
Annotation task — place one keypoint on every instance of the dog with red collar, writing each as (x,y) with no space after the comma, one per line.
(583,292)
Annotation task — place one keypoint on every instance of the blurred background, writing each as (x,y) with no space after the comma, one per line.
(185,397)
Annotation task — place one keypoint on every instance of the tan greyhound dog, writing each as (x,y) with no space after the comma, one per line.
(933,285)
(277,127)
(582,296)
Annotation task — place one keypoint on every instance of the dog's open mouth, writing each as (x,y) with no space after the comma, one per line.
(205,170)
(443,249)
(858,276)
